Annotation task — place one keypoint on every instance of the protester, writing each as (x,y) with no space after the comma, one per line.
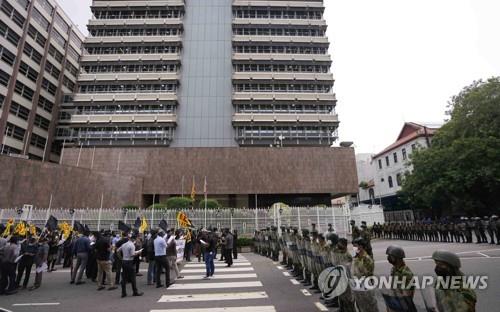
(8,281)
(41,257)
(103,255)
(160,246)
(150,256)
(209,241)
(235,244)
(81,250)
(172,253)
(28,252)
(128,270)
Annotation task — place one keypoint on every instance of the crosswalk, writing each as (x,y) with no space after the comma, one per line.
(233,289)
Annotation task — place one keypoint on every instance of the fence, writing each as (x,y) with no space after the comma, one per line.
(246,221)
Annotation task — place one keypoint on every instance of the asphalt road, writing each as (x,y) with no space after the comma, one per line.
(254,283)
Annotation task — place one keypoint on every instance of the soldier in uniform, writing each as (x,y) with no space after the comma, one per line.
(492,226)
(283,245)
(365,235)
(355,230)
(402,275)
(469,227)
(314,260)
(295,253)
(484,227)
(275,251)
(340,256)
(363,266)
(452,300)
(303,257)
(497,222)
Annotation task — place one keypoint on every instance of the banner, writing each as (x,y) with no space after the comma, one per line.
(180,245)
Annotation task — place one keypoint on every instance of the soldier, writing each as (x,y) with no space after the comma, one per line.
(340,256)
(283,246)
(402,276)
(355,230)
(297,269)
(461,230)
(498,229)
(452,300)
(492,226)
(275,250)
(363,266)
(304,258)
(469,227)
(365,234)
(314,260)
(484,227)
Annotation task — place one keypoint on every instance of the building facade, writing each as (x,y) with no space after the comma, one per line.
(39,62)
(237,91)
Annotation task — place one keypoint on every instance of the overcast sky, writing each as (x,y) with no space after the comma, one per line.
(396,60)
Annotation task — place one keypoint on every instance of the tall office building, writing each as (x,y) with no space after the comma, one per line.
(210,88)
(39,50)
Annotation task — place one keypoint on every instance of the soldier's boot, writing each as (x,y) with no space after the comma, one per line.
(332,303)
(307,277)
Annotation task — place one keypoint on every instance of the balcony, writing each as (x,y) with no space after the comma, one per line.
(291,4)
(320,98)
(135,22)
(281,39)
(137,4)
(124,97)
(167,57)
(240,57)
(128,77)
(327,119)
(124,118)
(279,22)
(283,76)
(134,39)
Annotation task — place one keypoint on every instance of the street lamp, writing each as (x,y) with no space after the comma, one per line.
(281,138)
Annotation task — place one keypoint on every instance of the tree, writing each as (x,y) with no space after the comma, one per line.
(460,172)
(178,203)
(211,204)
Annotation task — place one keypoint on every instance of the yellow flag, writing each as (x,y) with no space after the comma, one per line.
(33,230)
(144,225)
(183,220)
(20,229)
(8,228)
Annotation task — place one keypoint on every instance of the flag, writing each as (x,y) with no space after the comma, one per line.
(163,225)
(51,223)
(137,223)
(33,230)
(123,227)
(144,225)
(21,229)
(65,229)
(78,227)
(193,190)
(183,220)
(8,228)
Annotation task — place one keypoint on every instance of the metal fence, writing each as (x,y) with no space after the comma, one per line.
(246,221)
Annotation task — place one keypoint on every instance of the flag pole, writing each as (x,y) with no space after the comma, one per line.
(205,191)
(182,186)
(100,213)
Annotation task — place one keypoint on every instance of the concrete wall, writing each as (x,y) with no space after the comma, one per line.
(32,182)
(293,170)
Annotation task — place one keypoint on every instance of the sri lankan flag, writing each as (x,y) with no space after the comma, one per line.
(21,229)
(144,225)
(8,228)
(183,220)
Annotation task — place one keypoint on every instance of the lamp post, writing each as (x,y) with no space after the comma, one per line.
(281,138)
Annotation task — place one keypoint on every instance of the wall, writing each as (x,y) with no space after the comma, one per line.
(33,182)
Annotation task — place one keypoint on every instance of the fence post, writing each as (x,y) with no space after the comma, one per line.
(333,218)
(298,214)
(152,215)
(256,219)
(317,217)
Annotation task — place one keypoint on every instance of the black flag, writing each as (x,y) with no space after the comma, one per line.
(123,227)
(78,227)
(163,225)
(51,223)
(137,223)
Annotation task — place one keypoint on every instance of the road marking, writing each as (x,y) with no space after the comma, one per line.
(484,255)
(219,270)
(221,276)
(294,281)
(280,267)
(305,292)
(286,274)
(202,265)
(214,297)
(320,306)
(231,309)
(36,304)
(215,285)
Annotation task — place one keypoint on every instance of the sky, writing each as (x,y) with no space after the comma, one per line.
(396,61)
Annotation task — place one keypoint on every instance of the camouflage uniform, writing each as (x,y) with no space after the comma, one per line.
(363,266)
(456,300)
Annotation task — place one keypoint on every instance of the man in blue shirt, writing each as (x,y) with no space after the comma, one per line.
(160,246)
(81,250)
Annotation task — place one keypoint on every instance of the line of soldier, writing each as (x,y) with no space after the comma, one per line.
(306,255)
(461,230)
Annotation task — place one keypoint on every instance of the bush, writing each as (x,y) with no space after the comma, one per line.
(130,206)
(244,242)
(178,203)
(211,204)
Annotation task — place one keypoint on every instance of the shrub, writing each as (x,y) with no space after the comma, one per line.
(244,242)
(178,203)
(211,204)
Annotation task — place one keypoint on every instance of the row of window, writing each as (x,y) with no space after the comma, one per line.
(19,110)
(279,49)
(399,180)
(38,141)
(58,56)
(125,109)
(52,70)
(128,88)
(6,150)
(133,50)
(132,68)
(283,13)
(306,32)
(116,132)
(7,56)
(14,132)
(9,34)
(49,86)
(24,91)
(286,132)
(42,122)
(299,88)
(37,36)
(68,83)
(72,69)
(140,14)
(281,68)
(284,108)
(40,19)
(32,53)
(135,32)
(395,157)
(45,104)
(12,13)
(27,71)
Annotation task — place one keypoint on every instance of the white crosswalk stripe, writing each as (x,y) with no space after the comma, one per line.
(214,297)
(221,276)
(229,309)
(209,285)
(222,270)
(202,265)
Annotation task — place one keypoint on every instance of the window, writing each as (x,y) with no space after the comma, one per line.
(399,179)
(45,104)
(403,152)
(413,147)
(32,53)
(8,33)
(4,78)
(73,53)
(72,69)
(37,36)
(42,21)
(58,37)
(387,161)
(6,150)
(76,40)
(24,91)
(12,13)
(19,111)
(56,54)
(38,141)
(50,87)
(14,131)
(42,122)
(46,6)
(68,83)
(380,163)
(61,23)
(52,70)
(24,3)
(7,56)
(389,179)
(27,71)
(395,155)
(2,98)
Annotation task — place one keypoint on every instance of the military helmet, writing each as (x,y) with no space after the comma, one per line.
(395,251)
(321,236)
(360,242)
(333,238)
(352,222)
(486,218)
(314,233)
(494,217)
(447,257)
(305,232)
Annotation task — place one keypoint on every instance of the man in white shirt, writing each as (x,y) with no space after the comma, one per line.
(160,246)
(128,269)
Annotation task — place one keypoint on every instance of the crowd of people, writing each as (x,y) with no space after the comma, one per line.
(109,259)
(309,253)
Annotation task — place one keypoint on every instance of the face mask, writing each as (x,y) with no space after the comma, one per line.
(355,249)
(442,272)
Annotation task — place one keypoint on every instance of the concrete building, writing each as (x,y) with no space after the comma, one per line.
(39,54)
(366,178)
(391,164)
(237,91)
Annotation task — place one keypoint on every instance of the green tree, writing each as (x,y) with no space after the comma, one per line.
(460,172)
(178,203)
(211,204)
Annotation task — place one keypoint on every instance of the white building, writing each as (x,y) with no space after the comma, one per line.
(366,176)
